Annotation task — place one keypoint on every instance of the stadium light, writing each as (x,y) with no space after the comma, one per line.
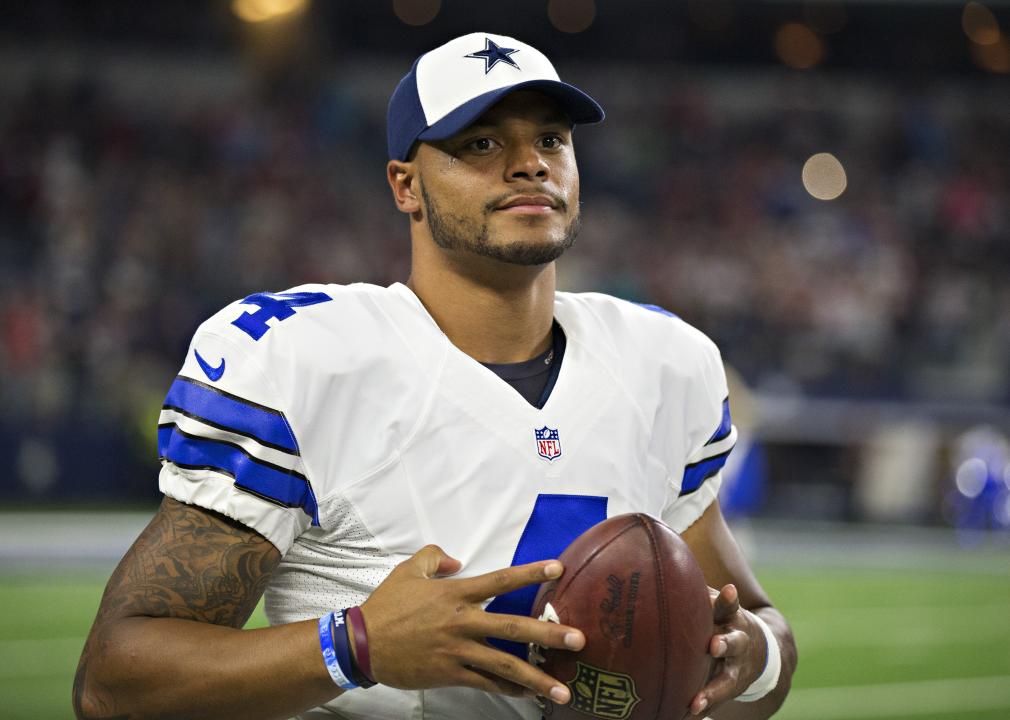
(260,11)
(799,47)
(980,24)
(971,477)
(1002,512)
(824,177)
(416,12)
(571,16)
(995,58)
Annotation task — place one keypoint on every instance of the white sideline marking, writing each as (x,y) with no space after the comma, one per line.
(904,699)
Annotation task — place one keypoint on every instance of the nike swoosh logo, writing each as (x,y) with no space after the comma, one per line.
(214,373)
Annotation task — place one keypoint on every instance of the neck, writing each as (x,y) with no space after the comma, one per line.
(492,311)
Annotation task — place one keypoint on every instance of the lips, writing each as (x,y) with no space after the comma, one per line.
(530,202)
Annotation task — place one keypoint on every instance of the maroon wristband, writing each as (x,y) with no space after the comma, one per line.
(362,658)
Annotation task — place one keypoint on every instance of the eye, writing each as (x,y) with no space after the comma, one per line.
(481,146)
(552,142)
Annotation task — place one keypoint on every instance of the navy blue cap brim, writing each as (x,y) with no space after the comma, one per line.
(581,108)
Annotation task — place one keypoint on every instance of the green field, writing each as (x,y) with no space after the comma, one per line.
(874,644)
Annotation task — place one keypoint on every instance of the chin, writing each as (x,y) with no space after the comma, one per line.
(531,230)
(526,252)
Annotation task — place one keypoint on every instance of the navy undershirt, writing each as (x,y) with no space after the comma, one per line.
(534,379)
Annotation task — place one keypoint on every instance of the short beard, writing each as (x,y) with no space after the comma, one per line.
(454,232)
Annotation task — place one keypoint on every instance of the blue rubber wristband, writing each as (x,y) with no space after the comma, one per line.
(342,644)
(341,678)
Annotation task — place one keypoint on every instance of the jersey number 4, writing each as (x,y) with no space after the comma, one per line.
(555,522)
(279,306)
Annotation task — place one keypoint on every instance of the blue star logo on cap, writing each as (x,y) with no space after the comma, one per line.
(492,54)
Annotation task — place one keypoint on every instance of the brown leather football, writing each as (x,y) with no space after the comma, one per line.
(633,587)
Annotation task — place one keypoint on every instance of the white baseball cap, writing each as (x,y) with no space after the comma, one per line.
(449,87)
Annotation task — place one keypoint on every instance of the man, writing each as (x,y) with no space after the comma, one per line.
(349,448)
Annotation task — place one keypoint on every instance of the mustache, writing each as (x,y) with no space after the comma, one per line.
(493,203)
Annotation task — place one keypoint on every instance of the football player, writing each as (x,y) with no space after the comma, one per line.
(396,468)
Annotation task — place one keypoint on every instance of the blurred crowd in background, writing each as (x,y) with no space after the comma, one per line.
(123,224)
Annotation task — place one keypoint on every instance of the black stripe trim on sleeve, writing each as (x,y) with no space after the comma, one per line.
(685,493)
(230,396)
(253,458)
(709,459)
(219,426)
(272,501)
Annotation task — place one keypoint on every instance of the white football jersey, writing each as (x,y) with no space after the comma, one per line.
(341,424)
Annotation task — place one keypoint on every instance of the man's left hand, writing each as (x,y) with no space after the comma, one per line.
(739,649)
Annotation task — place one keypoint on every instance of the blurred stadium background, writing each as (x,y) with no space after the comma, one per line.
(822,187)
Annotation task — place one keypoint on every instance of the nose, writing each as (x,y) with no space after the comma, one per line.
(526,163)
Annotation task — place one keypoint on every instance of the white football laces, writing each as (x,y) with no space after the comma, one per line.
(535,653)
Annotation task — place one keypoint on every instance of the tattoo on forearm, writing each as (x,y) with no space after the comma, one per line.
(188,563)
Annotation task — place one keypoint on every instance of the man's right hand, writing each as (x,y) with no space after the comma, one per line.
(427,631)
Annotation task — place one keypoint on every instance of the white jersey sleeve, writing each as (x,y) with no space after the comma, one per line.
(224,438)
(710,435)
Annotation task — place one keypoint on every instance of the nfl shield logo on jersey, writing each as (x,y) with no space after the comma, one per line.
(548,443)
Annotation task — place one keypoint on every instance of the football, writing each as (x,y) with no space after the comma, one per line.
(633,587)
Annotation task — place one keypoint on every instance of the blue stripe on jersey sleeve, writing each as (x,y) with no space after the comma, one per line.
(658,309)
(725,425)
(230,412)
(272,483)
(699,472)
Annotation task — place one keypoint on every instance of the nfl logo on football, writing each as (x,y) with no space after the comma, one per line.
(548,443)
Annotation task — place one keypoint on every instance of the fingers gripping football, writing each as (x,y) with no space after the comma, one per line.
(739,646)
(426,630)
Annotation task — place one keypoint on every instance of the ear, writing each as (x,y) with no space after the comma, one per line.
(401,176)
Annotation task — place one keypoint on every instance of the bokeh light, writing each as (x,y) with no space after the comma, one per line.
(980,24)
(1002,511)
(799,47)
(824,177)
(259,11)
(416,12)
(571,16)
(995,57)
(971,477)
